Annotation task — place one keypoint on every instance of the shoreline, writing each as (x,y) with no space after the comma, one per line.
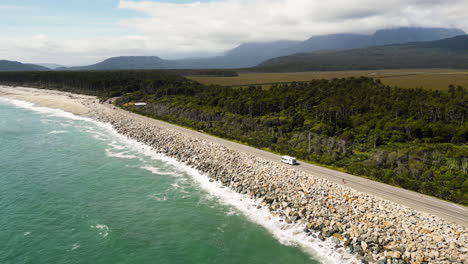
(287,234)
(375,229)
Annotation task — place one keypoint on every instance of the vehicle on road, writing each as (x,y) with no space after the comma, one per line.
(289,160)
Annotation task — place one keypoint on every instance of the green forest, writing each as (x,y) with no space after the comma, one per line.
(413,138)
(107,84)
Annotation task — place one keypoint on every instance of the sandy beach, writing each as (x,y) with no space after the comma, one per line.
(72,103)
(375,222)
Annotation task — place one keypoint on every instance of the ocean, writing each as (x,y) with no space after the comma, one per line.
(72,190)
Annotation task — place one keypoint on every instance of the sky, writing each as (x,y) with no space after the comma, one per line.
(81,32)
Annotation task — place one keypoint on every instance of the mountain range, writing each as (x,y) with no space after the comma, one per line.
(445,53)
(252,54)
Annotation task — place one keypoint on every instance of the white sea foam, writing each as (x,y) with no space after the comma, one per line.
(160,171)
(26,233)
(180,189)
(57,132)
(231,212)
(147,151)
(95,133)
(75,246)
(157,197)
(89,129)
(121,155)
(46,121)
(98,137)
(103,230)
(115,145)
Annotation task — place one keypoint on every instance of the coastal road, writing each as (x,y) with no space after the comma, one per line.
(446,210)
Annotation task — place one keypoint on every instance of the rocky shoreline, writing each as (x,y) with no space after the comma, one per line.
(373,229)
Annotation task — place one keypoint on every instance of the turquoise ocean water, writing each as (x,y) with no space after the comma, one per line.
(74,191)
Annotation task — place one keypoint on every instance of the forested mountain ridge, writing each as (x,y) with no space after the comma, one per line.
(458,43)
(445,53)
(14,66)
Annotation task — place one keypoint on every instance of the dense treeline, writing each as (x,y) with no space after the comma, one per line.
(204,72)
(412,138)
(99,83)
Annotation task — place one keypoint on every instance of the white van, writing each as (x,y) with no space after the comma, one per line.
(289,160)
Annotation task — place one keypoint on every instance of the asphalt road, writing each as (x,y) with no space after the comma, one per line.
(446,210)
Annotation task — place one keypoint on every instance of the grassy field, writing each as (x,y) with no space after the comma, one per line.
(435,79)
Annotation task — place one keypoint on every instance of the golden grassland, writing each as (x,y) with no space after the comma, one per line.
(435,79)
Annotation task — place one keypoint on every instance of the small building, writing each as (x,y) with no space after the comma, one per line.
(289,160)
(140,104)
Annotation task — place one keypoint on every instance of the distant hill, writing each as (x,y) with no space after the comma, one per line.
(251,54)
(129,62)
(446,53)
(14,66)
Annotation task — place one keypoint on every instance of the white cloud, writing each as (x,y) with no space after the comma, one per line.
(177,30)
(73,52)
(225,23)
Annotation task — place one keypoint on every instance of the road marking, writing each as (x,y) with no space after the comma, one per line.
(460,207)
